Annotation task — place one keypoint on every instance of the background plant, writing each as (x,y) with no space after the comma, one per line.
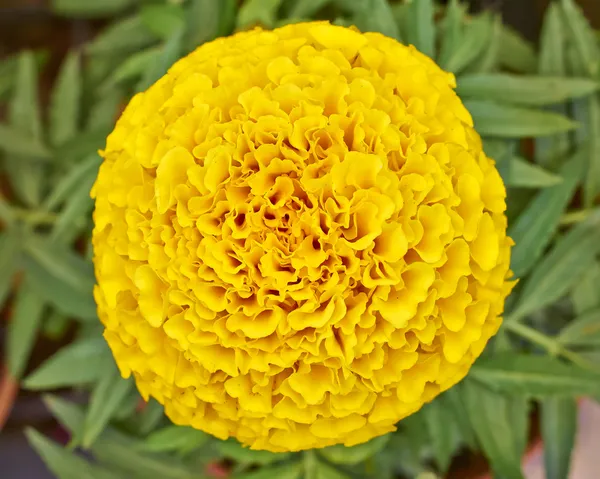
(538,110)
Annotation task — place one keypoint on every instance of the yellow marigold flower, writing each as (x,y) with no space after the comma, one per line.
(298,238)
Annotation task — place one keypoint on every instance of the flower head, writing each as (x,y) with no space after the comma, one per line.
(298,238)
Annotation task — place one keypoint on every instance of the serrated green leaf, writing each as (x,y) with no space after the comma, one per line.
(452,31)
(585,295)
(234,450)
(534,375)
(258,12)
(584,330)
(64,464)
(60,294)
(65,101)
(163,19)
(9,260)
(492,417)
(286,471)
(174,438)
(561,268)
(169,53)
(133,67)
(62,263)
(489,60)
(536,225)
(507,121)
(455,403)
(80,362)
(340,454)
(559,426)
(523,174)
(420,27)
(524,90)
(79,9)
(106,398)
(23,328)
(20,143)
(82,146)
(516,54)
(473,42)
(552,43)
(128,34)
(306,8)
(581,34)
(88,168)
(440,426)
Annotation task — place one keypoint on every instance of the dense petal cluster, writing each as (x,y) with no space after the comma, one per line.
(298,238)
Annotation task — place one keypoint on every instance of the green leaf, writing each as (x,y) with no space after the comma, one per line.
(584,330)
(552,44)
(585,295)
(62,463)
(341,454)
(82,146)
(23,328)
(561,268)
(516,54)
(306,8)
(76,210)
(523,174)
(133,67)
(591,186)
(534,375)
(207,20)
(583,38)
(174,438)
(420,27)
(9,260)
(234,450)
(488,62)
(535,227)
(325,471)
(376,16)
(472,43)
(24,109)
(440,426)
(62,263)
(258,12)
(170,52)
(452,31)
(59,293)
(163,19)
(80,362)
(506,121)
(291,470)
(493,420)
(99,9)
(65,102)
(559,426)
(20,143)
(524,90)
(81,172)
(8,68)
(68,414)
(103,111)
(128,34)
(150,417)
(458,409)
(106,398)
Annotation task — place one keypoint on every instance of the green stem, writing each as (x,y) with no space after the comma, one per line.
(574,217)
(549,344)
(310,465)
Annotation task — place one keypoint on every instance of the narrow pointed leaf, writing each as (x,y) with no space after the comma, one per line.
(163,19)
(76,175)
(20,143)
(516,54)
(81,362)
(561,268)
(420,27)
(23,328)
(583,38)
(286,471)
(584,330)
(440,426)
(79,9)
(507,121)
(306,8)
(128,34)
(340,454)
(258,12)
(534,375)
(524,90)
(585,295)
(9,261)
(552,44)
(170,52)
(536,225)
(523,174)
(65,101)
(376,16)
(452,31)
(174,438)
(473,41)
(559,426)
